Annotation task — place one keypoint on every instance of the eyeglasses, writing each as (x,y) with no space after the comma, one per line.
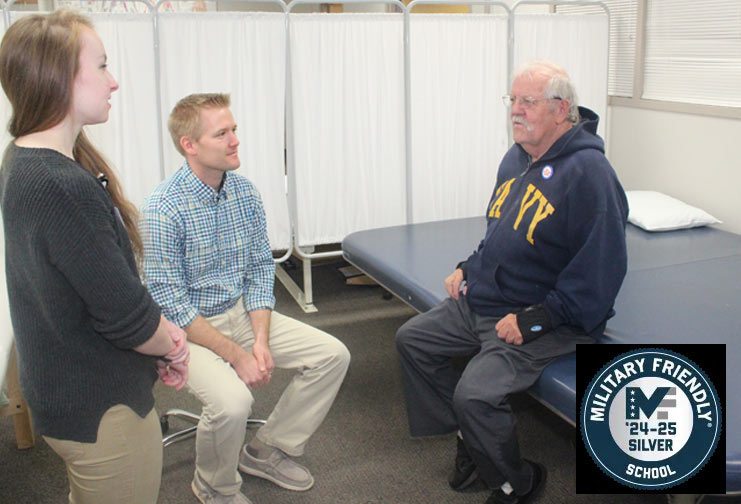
(526,102)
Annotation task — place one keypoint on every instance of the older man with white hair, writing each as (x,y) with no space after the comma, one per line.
(543,279)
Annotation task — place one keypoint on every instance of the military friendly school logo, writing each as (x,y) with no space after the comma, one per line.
(651,419)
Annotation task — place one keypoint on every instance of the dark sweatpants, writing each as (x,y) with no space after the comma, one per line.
(441,400)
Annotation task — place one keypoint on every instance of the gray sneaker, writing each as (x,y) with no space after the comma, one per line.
(278,468)
(208,495)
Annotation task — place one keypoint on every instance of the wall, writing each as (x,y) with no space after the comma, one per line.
(696,159)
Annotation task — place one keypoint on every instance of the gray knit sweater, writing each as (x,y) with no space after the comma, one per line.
(76,302)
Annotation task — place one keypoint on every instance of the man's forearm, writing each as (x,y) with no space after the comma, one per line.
(254,372)
(260,321)
(204,334)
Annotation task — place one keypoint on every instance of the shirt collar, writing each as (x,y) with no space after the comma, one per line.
(202,191)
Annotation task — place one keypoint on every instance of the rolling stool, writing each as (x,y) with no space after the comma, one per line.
(167,440)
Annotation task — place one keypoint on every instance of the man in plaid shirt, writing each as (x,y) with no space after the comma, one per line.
(208,264)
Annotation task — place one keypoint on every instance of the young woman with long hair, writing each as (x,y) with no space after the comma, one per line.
(90,339)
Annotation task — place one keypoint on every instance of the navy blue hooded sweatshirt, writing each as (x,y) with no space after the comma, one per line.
(555,237)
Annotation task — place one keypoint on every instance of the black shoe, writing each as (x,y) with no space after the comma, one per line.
(539,476)
(465,473)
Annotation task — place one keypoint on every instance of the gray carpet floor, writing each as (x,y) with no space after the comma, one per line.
(362,453)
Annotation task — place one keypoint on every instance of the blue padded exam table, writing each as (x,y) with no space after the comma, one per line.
(681,287)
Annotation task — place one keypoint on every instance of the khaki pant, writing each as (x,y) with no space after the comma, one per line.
(320,362)
(124,466)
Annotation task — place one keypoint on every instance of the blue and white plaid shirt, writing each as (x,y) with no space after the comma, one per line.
(204,249)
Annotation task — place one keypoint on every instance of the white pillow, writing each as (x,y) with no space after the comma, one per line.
(655,211)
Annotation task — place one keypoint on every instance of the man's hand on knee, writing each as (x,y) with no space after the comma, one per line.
(261,353)
(248,370)
(508,330)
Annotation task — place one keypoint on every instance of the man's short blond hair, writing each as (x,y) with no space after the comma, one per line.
(185,118)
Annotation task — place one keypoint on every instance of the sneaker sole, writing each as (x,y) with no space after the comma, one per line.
(195,492)
(273,479)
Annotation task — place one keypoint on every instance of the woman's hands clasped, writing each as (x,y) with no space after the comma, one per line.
(173,367)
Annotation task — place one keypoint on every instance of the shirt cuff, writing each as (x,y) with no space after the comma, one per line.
(182,318)
(259,303)
(463,266)
(533,322)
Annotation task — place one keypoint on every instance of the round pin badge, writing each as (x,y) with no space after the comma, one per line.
(546,172)
(650,419)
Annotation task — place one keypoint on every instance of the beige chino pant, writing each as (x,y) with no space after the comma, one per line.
(124,466)
(320,362)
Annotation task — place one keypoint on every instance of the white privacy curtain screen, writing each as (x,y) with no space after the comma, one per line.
(459,123)
(578,43)
(348,123)
(242,54)
(347,137)
(129,139)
